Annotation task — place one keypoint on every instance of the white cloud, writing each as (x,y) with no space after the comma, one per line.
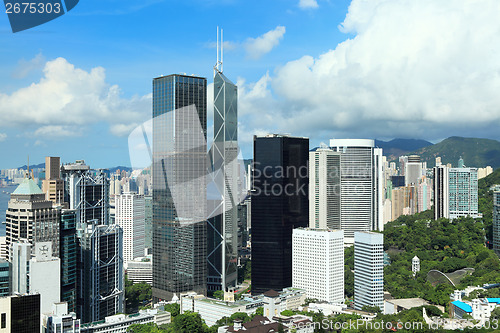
(55,131)
(412,69)
(3,136)
(69,96)
(306,4)
(257,47)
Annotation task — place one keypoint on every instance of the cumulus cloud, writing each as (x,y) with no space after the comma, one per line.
(3,136)
(305,4)
(257,47)
(69,96)
(410,68)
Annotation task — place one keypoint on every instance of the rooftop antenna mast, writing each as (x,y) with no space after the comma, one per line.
(220,52)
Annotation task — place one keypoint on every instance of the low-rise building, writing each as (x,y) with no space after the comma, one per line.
(479,308)
(120,323)
(140,270)
(60,320)
(273,303)
(260,324)
(393,306)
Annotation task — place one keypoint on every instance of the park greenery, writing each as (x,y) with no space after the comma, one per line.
(136,295)
(441,245)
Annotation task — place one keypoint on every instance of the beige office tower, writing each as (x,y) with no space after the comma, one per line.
(31,217)
(53,185)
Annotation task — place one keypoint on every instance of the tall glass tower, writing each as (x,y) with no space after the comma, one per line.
(280,203)
(179,185)
(223,226)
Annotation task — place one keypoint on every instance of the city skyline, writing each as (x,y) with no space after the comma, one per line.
(310,68)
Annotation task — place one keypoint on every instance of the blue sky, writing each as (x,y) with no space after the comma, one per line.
(76,86)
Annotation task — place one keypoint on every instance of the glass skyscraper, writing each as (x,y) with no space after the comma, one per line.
(223,226)
(279,204)
(179,185)
(68,256)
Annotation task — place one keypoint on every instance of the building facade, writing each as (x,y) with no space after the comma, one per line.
(279,204)
(222,228)
(455,192)
(324,189)
(100,276)
(31,217)
(53,185)
(20,314)
(130,215)
(361,195)
(496,220)
(68,255)
(368,270)
(179,185)
(318,263)
(87,192)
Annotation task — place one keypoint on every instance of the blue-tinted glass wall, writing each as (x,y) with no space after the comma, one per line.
(4,278)
(279,204)
(68,256)
(180,158)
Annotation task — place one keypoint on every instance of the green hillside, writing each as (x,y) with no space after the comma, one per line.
(475,152)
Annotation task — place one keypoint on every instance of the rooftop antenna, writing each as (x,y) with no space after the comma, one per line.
(221,51)
(220,48)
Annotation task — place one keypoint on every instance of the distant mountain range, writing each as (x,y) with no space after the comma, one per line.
(475,152)
(398,147)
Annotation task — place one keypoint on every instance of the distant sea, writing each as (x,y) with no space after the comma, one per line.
(4,201)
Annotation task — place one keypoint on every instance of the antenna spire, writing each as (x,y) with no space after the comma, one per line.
(220,50)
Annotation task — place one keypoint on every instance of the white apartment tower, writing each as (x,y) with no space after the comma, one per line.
(361,186)
(130,209)
(455,192)
(368,270)
(324,189)
(318,263)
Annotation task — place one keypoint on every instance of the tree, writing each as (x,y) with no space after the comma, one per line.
(173,308)
(219,294)
(371,309)
(188,322)
(495,314)
(136,294)
(143,328)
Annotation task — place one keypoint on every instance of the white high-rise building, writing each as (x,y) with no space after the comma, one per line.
(20,252)
(361,193)
(413,170)
(35,275)
(368,270)
(44,276)
(324,189)
(318,263)
(130,216)
(455,192)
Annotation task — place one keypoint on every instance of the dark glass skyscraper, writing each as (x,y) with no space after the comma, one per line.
(279,204)
(68,255)
(179,185)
